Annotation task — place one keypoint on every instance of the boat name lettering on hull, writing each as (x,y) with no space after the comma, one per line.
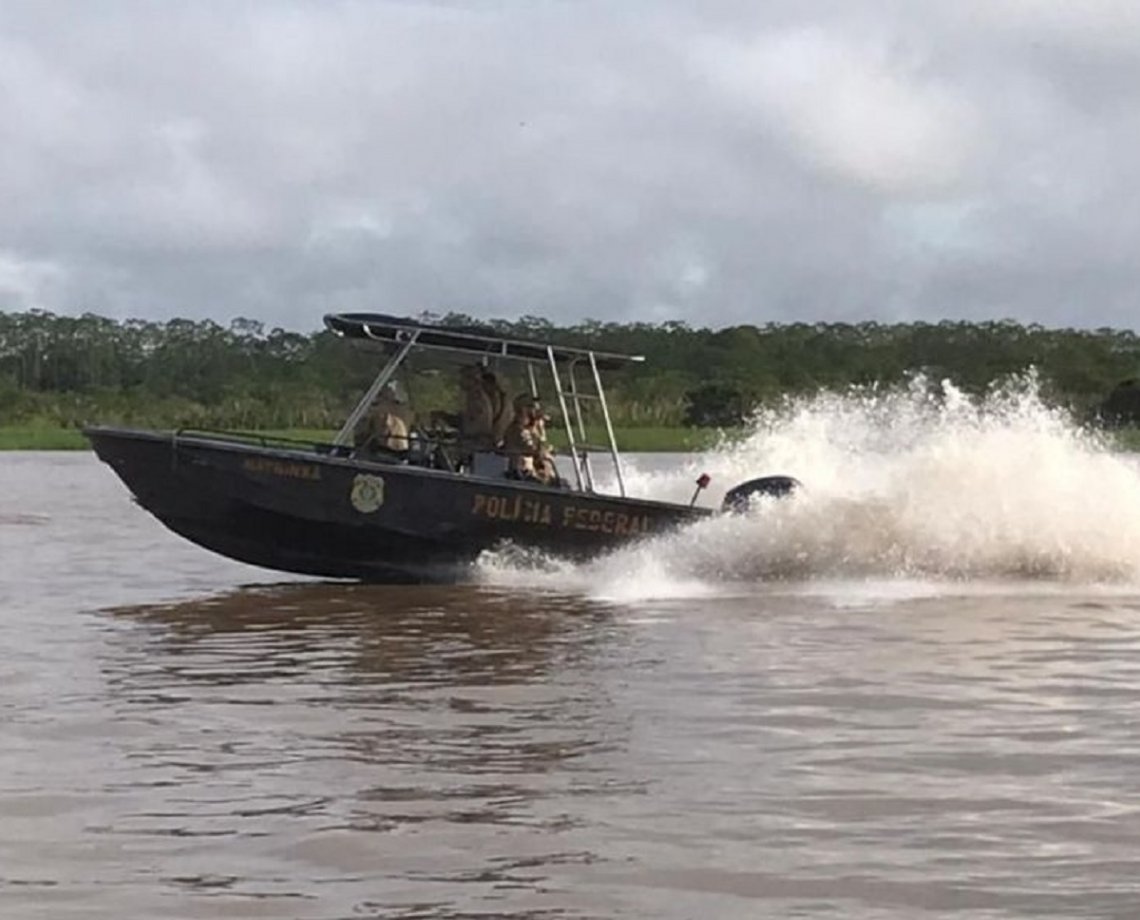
(516,508)
(615,522)
(281,468)
(574,517)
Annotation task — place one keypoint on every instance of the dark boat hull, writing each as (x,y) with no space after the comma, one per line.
(300,509)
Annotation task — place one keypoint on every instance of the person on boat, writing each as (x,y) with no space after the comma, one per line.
(384,427)
(477,417)
(525,443)
(546,470)
(486,412)
(500,409)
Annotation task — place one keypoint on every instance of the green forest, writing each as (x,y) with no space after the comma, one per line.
(59,372)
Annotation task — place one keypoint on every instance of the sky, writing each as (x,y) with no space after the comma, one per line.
(744,161)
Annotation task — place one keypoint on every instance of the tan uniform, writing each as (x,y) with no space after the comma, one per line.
(530,457)
(477,420)
(521,443)
(381,428)
(500,408)
(393,431)
(545,460)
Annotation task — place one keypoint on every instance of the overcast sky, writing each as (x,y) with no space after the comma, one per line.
(716,162)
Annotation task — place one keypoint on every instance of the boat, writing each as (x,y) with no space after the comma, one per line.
(421,513)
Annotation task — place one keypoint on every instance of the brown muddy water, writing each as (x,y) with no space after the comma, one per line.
(185,737)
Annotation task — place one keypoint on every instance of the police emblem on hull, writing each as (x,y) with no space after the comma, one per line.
(367,493)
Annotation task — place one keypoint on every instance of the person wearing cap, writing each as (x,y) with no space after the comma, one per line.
(547,472)
(525,442)
(383,427)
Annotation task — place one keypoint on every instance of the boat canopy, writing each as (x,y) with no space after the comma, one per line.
(563,364)
(396,330)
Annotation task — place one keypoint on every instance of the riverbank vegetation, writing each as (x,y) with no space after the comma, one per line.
(59,372)
(39,437)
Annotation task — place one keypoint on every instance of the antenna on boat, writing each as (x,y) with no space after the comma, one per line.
(702,483)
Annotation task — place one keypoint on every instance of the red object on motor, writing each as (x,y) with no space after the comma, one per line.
(703,480)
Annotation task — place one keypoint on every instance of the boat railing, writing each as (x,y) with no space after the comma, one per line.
(260,438)
(419,446)
(442,450)
(330,448)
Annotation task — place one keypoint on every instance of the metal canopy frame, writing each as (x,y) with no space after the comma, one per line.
(406,335)
(378,327)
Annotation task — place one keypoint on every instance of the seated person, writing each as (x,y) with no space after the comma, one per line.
(383,427)
(525,442)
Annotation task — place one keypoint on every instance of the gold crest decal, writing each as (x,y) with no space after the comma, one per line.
(367,493)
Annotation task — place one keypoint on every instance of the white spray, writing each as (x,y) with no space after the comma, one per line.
(921,482)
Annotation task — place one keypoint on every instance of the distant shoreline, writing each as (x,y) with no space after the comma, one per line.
(633,440)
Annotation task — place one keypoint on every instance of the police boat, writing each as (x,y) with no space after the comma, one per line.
(421,508)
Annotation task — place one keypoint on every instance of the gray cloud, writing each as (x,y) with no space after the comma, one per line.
(725,162)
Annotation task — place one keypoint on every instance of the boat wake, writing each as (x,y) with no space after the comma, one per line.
(921,483)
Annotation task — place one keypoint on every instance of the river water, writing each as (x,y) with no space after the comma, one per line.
(878,701)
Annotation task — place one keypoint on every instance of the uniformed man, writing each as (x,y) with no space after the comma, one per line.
(383,427)
(525,442)
(477,417)
(500,409)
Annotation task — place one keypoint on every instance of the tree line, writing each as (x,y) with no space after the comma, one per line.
(71,370)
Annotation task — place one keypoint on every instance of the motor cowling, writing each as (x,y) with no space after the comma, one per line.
(738,498)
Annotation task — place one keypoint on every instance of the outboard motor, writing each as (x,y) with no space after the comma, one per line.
(739,498)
